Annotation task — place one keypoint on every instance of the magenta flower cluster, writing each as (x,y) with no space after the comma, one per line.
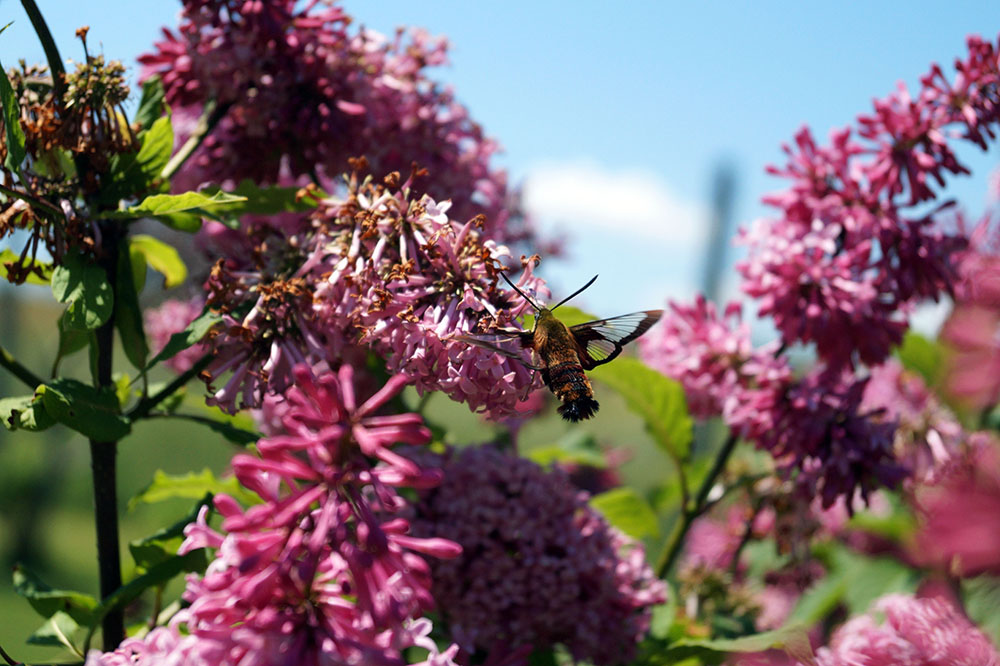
(377,268)
(914,631)
(304,92)
(539,566)
(854,249)
(324,570)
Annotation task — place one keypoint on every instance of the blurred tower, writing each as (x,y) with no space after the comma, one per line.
(719,229)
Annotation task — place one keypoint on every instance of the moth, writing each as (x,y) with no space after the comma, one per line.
(564,352)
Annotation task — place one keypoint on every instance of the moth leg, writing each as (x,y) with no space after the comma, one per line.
(527,389)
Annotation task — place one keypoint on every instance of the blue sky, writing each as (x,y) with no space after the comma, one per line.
(615,118)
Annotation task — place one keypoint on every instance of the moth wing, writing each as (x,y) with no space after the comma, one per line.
(490,341)
(603,340)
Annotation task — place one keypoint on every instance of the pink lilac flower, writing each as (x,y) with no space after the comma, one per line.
(819,430)
(539,565)
(324,570)
(302,93)
(712,357)
(905,630)
(377,269)
(972,331)
(847,259)
(172,316)
(960,514)
(927,433)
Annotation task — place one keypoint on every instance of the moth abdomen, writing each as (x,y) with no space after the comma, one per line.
(569,383)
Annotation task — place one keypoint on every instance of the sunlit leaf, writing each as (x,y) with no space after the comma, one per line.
(13,133)
(626,510)
(47,601)
(151,105)
(163,544)
(84,287)
(58,631)
(654,397)
(8,256)
(95,413)
(161,257)
(186,486)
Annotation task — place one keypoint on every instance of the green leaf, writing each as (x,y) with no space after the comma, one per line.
(47,601)
(8,256)
(266,200)
(982,599)
(161,257)
(626,510)
(819,600)
(11,123)
(94,413)
(84,287)
(58,631)
(24,413)
(922,356)
(158,205)
(129,317)
(71,340)
(189,337)
(135,173)
(792,639)
(162,545)
(657,399)
(187,486)
(151,105)
(231,432)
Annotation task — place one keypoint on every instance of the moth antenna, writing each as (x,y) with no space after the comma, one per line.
(523,295)
(575,293)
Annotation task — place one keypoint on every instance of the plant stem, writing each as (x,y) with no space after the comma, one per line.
(103,458)
(690,512)
(210,117)
(146,405)
(51,50)
(27,376)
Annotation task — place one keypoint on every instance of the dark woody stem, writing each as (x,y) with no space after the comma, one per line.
(27,376)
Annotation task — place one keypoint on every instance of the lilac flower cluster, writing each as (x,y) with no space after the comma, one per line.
(324,570)
(813,426)
(303,93)
(850,255)
(539,566)
(915,631)
(377,268)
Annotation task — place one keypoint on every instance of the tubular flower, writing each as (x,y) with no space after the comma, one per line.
(288,74)
(539,565)
(324,571)
(914,631)
(847,259)
(377,268)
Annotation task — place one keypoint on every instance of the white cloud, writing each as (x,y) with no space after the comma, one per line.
(632,202)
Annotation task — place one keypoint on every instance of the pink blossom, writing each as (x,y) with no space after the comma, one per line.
(173,316)
(540,566)
(914,631)
(302,93)
(324,570)
(960,512)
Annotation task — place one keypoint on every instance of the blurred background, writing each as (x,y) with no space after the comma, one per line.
(640,134)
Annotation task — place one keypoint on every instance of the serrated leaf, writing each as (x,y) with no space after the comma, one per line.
(84,287)
(58,631)
(189,337)
(48,601)
(161,257)
(656,398)
(94,413)
(186,486)
(151,105)
(8,256)
(162,545)
(626,510)
(129,316)
(13,133)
